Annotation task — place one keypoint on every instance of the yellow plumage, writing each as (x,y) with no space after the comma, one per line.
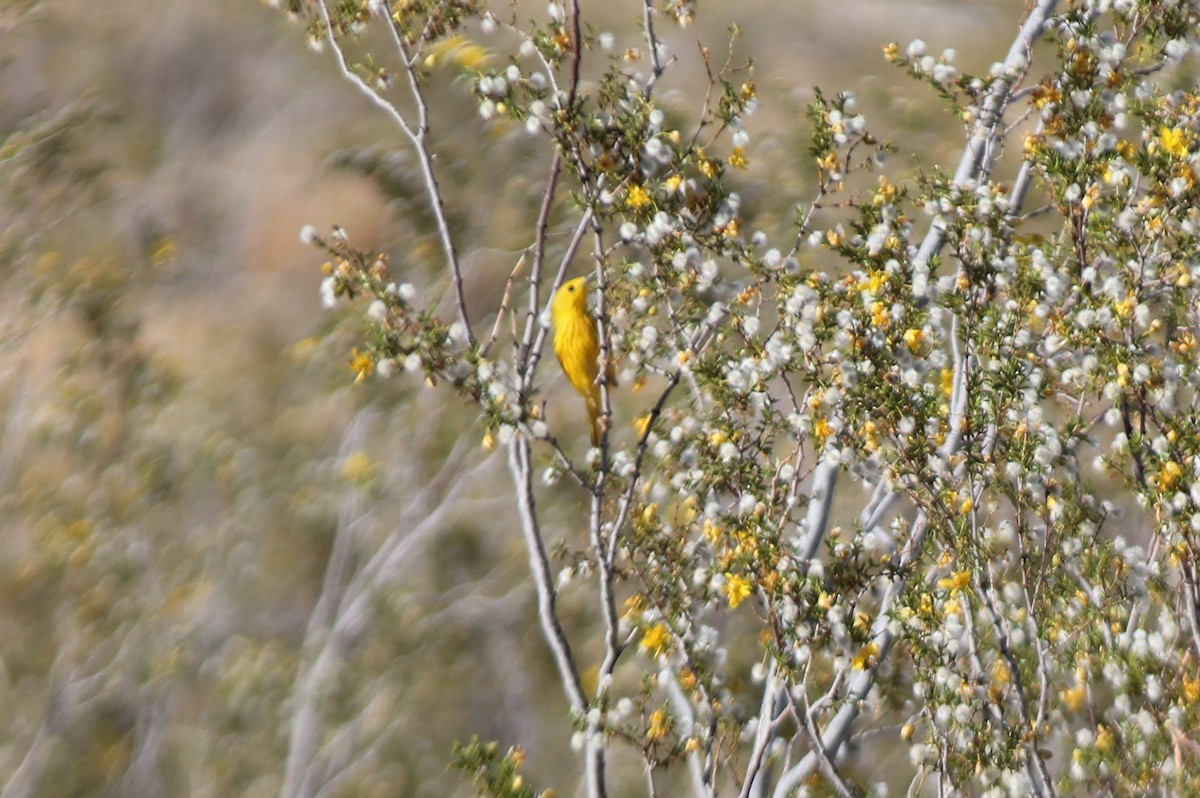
(577,348)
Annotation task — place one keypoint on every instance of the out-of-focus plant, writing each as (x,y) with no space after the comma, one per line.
(1001,399)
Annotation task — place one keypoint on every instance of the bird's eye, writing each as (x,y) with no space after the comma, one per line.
(571,288)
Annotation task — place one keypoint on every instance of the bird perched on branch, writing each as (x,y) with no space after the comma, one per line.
(578,349)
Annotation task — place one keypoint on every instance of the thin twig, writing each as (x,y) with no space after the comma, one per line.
(504,304)
(417,136)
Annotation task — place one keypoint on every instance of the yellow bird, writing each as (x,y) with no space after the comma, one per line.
(577,348)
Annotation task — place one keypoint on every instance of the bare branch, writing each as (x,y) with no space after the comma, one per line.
(417,136)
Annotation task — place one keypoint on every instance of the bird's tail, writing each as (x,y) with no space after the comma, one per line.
(597,422)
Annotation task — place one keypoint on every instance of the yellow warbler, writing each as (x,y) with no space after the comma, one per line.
(577,348)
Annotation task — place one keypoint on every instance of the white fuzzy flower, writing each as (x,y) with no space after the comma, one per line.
(944,73)
(877,238)
(1176,49)
(328,292)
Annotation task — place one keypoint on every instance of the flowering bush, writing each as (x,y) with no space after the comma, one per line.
(921,470)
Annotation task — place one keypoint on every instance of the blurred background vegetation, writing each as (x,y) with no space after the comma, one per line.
(183,442)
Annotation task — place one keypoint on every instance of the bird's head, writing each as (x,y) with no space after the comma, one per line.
(572,297)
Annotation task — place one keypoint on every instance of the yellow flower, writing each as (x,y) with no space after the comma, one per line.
(659,725)
(642,424)
(737,589)
(737,158)
(362,364)
(891,51)
(1191,690)
(957,581)
(1043,95)
(459,49)
(1001,678)
(1168,475)
(1173,140)
(868,432)
(655,639)
(886,192)
(947,381)
(865,656)
(1073,697)
(879,315)
(912,338)
(1090,197)
(636,197)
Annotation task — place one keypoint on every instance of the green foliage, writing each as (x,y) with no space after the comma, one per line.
(495,775)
